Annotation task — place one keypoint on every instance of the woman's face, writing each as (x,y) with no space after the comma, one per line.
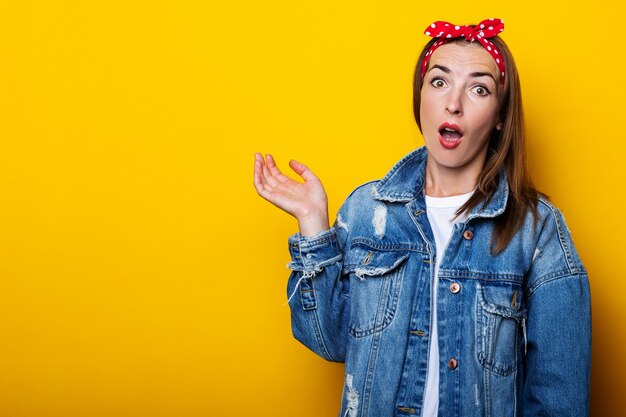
(460,102)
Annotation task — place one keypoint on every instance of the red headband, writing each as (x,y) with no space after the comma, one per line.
(488,28)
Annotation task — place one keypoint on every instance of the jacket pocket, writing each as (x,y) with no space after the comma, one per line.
(375,279)
(499,317)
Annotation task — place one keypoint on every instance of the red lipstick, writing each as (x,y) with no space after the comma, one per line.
(450,135)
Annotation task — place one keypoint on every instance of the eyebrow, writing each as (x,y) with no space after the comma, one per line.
(441,67)
(473,74)
(483,74)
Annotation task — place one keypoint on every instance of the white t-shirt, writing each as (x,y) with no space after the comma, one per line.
(441,212)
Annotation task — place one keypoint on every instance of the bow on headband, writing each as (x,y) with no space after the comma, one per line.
(486,29)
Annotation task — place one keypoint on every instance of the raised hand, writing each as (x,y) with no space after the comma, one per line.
(307,201)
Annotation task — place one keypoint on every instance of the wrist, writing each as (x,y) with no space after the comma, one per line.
(313,223)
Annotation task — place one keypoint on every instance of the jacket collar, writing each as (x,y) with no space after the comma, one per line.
(405,182)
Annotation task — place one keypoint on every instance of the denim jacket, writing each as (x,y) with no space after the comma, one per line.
(514,328)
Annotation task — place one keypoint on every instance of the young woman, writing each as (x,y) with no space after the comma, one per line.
(451,287)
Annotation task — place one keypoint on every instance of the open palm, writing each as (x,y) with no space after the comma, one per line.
(306,201)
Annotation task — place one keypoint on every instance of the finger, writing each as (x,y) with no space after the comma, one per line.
(260,188)
(268,177)
(275,171)
(258,160)
(264,189)
(258,169)
(259,182)
(302,170)
(271,163)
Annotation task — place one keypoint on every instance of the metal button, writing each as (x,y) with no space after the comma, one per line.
(407,410)
(455,287)
(452,363)
(468,234)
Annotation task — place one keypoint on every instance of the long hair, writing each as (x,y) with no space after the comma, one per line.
(507,154)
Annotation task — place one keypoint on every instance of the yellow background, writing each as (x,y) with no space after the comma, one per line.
(141,275)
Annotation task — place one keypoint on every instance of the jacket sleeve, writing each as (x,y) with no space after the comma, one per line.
(317,293)
(558,355)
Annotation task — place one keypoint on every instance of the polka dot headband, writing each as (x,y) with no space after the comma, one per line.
(486,29)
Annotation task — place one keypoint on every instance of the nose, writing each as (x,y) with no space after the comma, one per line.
(454,105)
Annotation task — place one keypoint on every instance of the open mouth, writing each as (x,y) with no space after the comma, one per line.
(450,135)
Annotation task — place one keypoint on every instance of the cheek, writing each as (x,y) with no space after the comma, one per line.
(426,110)
(487,121)
(487,117)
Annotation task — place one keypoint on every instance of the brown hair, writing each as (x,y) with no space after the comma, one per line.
(507,154)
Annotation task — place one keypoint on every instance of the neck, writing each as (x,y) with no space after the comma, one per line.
(442,181)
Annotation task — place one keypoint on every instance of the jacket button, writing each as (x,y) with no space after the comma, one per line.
(468,234)
(452,363)
(455,287)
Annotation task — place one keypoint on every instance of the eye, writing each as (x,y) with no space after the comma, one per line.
(438,83)
(481,90)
